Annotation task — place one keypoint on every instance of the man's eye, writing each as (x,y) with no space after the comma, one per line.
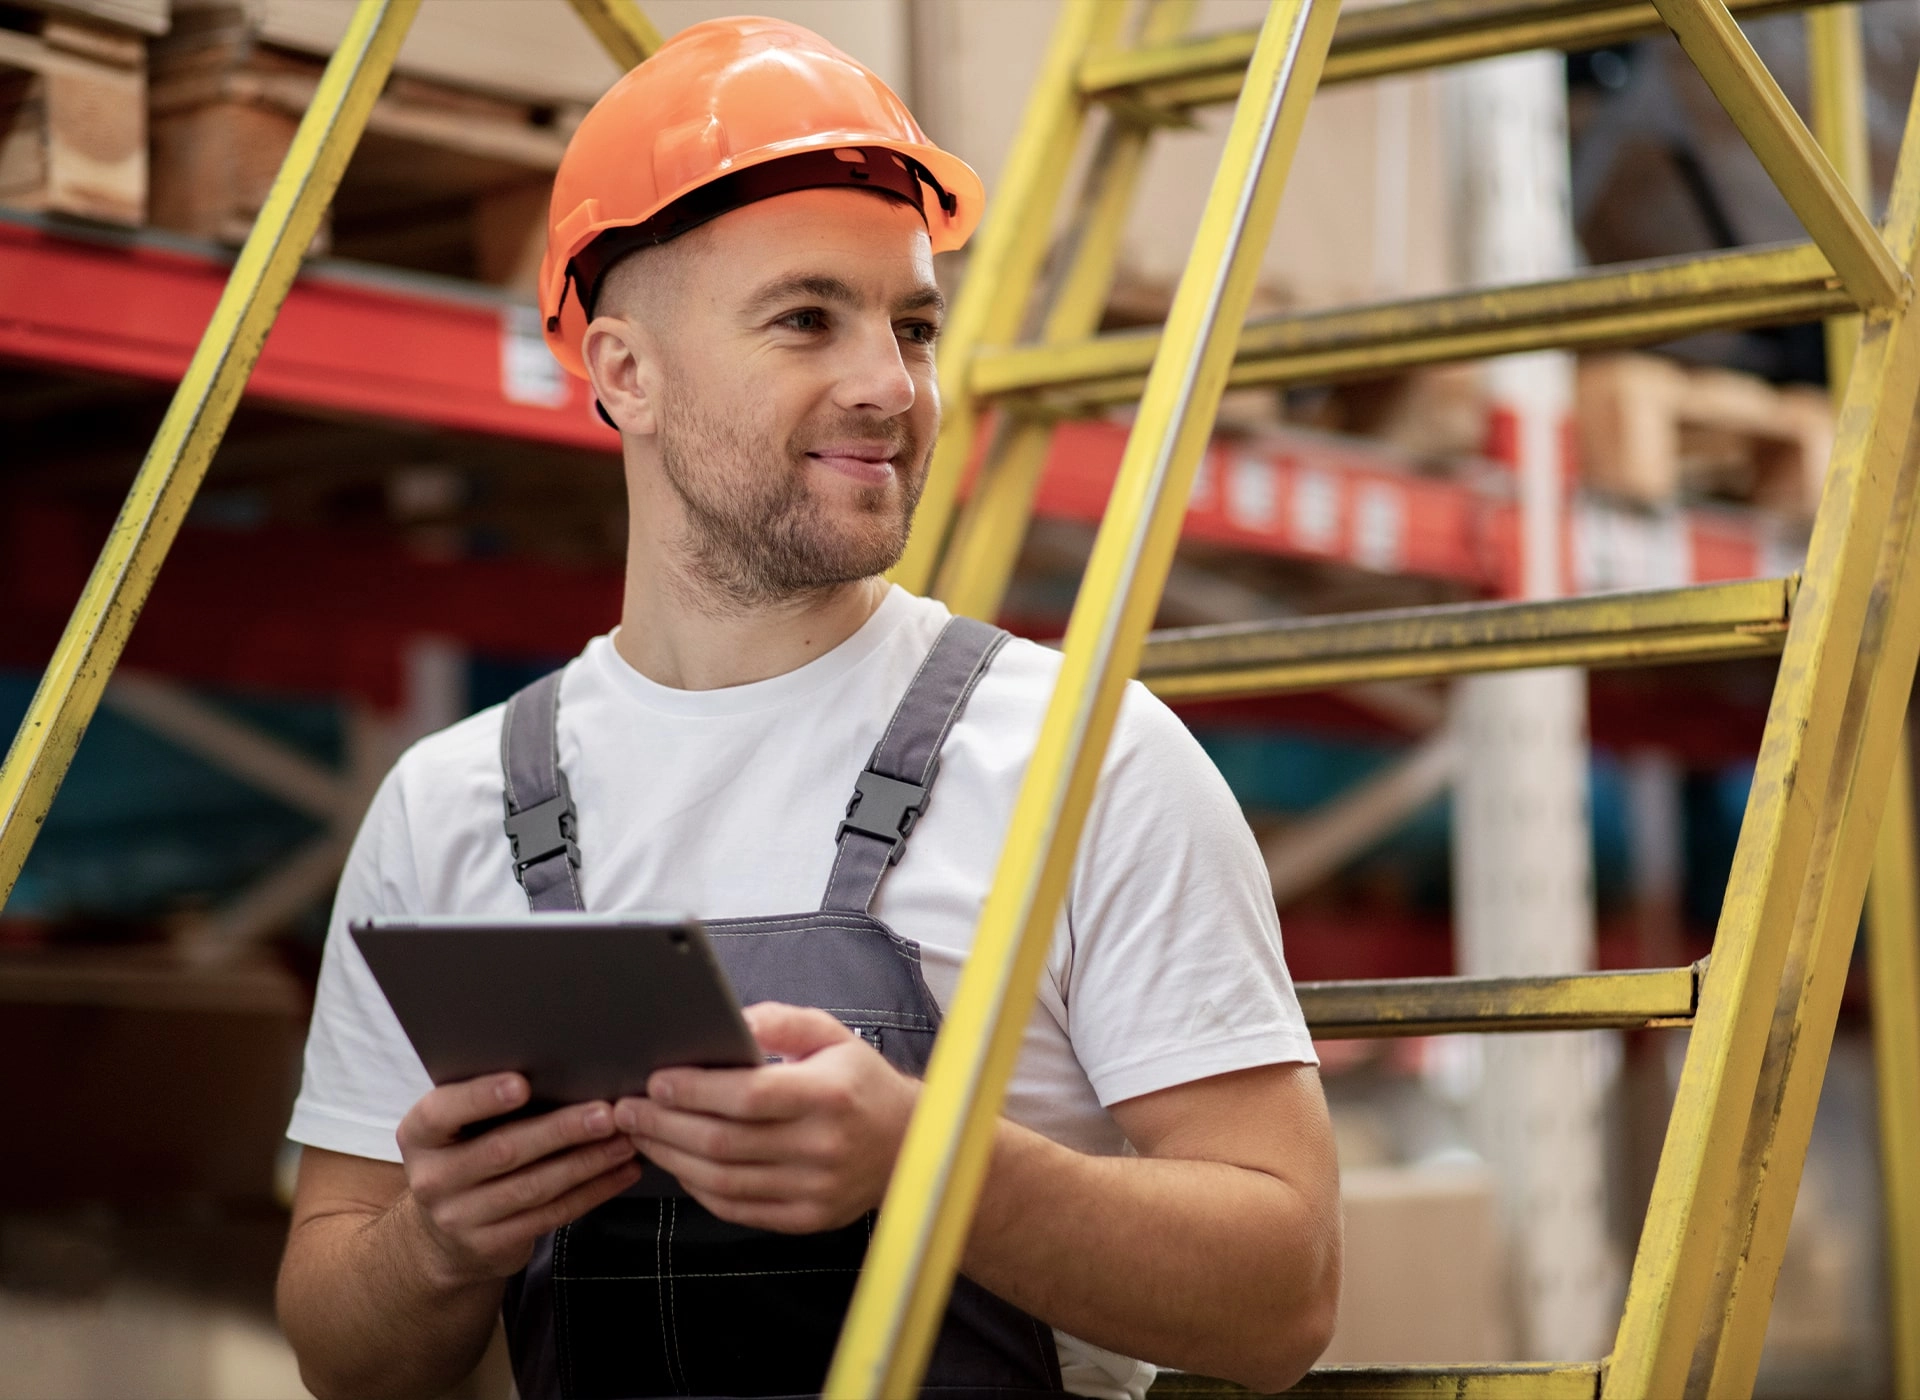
(924,332)
(809,320)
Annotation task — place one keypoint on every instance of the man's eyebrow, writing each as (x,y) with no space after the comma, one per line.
(922,299)
(831,289)
(819,288)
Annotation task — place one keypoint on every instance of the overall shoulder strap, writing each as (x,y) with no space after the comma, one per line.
(540,823)
(892,792)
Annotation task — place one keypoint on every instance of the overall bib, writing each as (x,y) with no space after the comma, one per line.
(650,1294)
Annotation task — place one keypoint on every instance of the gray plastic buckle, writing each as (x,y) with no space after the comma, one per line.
(542,830)
(885,808)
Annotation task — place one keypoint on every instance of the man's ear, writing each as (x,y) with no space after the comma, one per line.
(622,366)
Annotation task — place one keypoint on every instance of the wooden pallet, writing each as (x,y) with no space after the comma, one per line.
(1653,431)
(73,120)
(446,180)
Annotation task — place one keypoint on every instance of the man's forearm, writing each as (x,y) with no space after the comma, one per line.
(1213,1268)
(366,1316)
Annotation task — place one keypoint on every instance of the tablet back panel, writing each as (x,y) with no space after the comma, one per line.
(584,1007)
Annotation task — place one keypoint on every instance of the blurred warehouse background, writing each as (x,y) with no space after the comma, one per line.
(415,512)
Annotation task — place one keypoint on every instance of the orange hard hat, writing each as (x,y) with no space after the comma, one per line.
(727,112)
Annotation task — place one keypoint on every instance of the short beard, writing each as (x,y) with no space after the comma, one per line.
(755,536)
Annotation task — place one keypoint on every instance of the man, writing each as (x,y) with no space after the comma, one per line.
(740,262)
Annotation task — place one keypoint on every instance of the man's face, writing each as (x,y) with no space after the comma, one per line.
(796,401)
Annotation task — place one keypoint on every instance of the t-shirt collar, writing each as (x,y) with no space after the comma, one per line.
(605,660)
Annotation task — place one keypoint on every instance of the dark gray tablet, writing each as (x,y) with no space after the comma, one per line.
(586,1006)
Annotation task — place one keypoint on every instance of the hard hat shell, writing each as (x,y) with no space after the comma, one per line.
(715,99)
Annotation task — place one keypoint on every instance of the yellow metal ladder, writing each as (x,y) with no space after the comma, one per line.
(1847,629)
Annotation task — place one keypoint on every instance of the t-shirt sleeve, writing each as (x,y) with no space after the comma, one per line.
(1175,970)
(361,1073)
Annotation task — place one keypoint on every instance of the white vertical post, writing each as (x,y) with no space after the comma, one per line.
(1522,845)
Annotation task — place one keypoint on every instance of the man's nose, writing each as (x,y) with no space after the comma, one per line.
(876,378)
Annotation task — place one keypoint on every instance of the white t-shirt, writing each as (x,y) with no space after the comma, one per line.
(1165,965)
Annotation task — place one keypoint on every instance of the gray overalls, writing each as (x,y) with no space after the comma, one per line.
(651,1294)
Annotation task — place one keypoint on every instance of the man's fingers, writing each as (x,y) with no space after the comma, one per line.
(768,1094)
(437,1120)
(793,1032)
(731,1181)
(534,1187)
(564,1209)
(721,1139)
(511,1146)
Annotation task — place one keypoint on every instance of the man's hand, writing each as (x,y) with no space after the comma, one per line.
(482,1202)
(800,1146)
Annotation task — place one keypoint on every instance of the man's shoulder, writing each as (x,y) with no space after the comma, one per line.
(464,752)
(1023,678)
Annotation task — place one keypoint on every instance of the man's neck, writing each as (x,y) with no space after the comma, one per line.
(690,648)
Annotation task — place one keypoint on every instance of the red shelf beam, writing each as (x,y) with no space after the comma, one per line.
(429,351)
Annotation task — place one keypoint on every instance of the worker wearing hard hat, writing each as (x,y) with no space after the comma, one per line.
(740,261)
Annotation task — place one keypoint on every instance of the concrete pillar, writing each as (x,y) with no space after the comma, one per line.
(1522,845)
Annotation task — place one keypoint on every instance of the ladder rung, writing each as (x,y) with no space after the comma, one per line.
(1379,40)
(1546,1380)
(1442,1005)
(1665,625)
(1655,300)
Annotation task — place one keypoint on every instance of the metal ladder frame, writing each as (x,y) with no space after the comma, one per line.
(1847,629)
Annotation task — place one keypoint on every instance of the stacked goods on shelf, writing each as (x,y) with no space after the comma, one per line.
(1652,432)
(73,121)
(447,179)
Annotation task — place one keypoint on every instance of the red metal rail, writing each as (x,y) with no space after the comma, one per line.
(431,351)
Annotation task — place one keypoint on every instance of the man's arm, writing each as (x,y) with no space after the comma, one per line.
(393,1273)
(1216,1250)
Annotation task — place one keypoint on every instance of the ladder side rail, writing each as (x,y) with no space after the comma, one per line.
(196,419)
(1669,1291)
(623,30)
(1002,268)
(1839,107)
(1893,967)
(1727,1358)
(1754,1234)
(1798,166)
(935,1185)
(979,561)
(1643,300)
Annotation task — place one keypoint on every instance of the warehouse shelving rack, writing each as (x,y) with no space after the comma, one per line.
(1847,628)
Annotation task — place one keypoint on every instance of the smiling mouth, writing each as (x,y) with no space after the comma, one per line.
(868,466)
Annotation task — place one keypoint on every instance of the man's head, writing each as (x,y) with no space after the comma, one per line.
(772,376)
(749,218)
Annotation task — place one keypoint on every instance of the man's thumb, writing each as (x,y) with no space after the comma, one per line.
(793,1032)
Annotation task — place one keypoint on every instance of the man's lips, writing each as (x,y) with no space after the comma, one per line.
(871,465)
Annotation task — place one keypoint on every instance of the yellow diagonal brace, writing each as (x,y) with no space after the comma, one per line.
(623,30)
(986,542)
(1002,266)
(1381,39)
(923,1225)
(1806,178)
(1727,1358)
(201,408)
(1893,966)
(1670,1289)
